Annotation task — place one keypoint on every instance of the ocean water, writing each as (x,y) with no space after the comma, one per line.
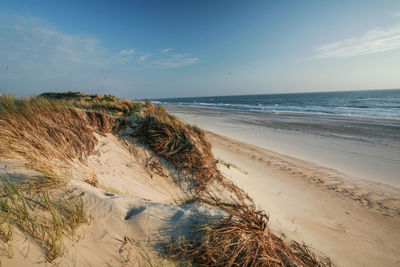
(369,103)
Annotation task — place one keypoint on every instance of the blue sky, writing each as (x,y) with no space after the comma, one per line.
(150,49)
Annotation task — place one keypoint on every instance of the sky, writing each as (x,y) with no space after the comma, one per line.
(179,48)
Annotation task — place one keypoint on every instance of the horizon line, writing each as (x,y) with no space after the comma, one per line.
(288,93)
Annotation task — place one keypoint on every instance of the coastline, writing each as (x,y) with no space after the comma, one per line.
(354,221)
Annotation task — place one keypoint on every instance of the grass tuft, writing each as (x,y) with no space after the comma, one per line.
(183,145)
(43,215)
(40,129)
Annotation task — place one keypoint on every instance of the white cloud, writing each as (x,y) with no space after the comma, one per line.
(127,51)
(166,50)
(397,14)
(172,61)
(143,58)
(374,41)
(125,56)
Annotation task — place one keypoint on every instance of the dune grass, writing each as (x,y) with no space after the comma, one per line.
(132,253)
(42,133)
(182,144)
(44,216)
(107,104)
(51,127)
(42,130)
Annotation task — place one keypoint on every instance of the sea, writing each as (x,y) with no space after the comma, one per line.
(367,103)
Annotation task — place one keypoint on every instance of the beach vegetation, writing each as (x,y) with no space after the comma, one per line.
(42,129)
(61,127)
(41,133)
(44,216)
(107,104)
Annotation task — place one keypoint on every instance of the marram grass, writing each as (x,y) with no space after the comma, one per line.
(62,126)
(44,216)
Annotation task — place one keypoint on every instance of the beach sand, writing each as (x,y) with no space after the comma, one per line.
(330,182)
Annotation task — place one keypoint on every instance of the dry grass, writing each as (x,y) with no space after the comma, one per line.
(306,254)
(92,180)
(132,253)
(181,144)
(115,108)
(47,128)
(45,216)
(40,130)
(242,239)
(156,167)
(107,104)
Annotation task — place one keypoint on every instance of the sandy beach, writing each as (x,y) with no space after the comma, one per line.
(328,181)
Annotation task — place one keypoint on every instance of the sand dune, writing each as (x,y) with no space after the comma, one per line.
(122,167)
(133,212)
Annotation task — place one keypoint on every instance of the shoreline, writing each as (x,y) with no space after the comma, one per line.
(278,112)
(363,149)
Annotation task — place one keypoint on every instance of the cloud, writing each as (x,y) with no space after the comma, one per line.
(143,58)
(124,56)
(37,51)
(166,50)
(35,54)
(374,41)
(172,61)
(127,51)
(397,14)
